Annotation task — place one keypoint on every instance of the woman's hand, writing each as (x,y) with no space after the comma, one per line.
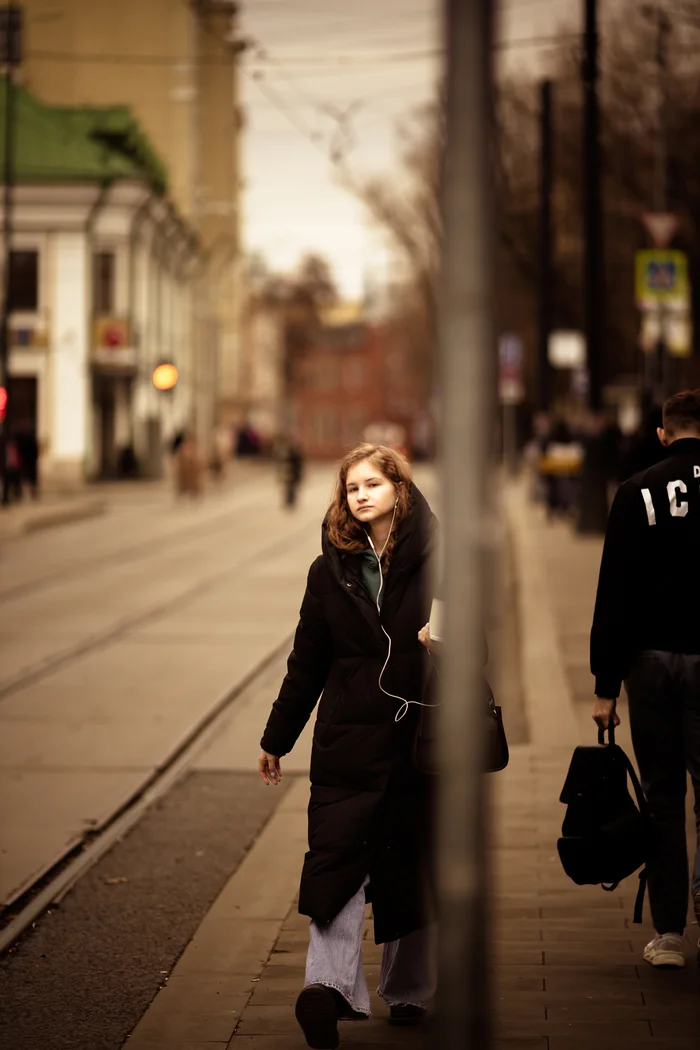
(269,768)
(434,647)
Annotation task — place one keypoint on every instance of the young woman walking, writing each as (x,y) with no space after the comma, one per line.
(367,598)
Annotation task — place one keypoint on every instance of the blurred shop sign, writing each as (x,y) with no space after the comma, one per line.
(672,327)
(567,349)
(511,388)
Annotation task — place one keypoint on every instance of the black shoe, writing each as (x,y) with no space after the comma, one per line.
(406,1014)
(317,1011)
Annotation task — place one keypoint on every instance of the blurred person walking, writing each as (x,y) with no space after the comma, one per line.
(367,598)
(28,449)
(13,469)
(559,467)
(646,631)
(223,450)
(189,465)
(291,466)
(644,449)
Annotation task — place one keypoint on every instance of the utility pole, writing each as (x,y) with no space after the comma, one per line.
(593,509)
(663,29)
(593,220)
(10,44)
(467,360)
(546,273)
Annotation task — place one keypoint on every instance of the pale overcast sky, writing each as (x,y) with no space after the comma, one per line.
(379,55)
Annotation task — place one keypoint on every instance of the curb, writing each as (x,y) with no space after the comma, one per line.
(45,519)
(549,702)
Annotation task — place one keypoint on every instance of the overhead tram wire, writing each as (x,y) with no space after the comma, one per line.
(339,59)
(272,96)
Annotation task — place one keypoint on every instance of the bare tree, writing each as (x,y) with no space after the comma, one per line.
(301,298)
(405,205)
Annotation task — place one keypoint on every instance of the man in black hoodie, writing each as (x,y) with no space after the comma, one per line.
(646,632)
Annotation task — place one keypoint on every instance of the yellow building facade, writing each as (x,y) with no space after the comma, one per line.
(175,63)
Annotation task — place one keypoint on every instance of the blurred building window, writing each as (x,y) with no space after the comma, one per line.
(344,337)
(24,280)
(325,430)
(353,425)
(103,282)
(328,373)
(354,374)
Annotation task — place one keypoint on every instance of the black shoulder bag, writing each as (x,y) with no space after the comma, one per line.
(425,739)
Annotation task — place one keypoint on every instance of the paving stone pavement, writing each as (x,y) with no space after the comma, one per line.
(565,960)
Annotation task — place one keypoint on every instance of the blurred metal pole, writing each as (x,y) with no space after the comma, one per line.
(593,216)
(593,502)
(8,146)
(546,252)
(467,365)
(663,24)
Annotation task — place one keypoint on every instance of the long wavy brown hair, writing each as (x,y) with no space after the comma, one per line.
(344,531)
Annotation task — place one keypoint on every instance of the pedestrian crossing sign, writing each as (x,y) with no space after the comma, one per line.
(661,277)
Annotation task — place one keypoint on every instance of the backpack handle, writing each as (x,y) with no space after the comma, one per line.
(610,731)
(641,800)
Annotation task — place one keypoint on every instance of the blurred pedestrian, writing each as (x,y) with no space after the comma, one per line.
(291,467)
(189,466)
(644,449)
(367,598)
(533,454)
(223,448)
(248,441)
(13,469)
(559,466)
(28,450)
(646,631)
(177,439)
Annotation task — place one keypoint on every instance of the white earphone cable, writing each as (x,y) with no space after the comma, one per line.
(405,704)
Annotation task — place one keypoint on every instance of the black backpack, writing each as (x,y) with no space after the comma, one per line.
(605,835)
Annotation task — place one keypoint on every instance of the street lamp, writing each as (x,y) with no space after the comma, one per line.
(165,376)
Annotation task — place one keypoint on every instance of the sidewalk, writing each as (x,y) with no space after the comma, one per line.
(567,967)
(62,508)
(29,516)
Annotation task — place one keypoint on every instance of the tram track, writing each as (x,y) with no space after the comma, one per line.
(129,553)
(52,886)
(65,657)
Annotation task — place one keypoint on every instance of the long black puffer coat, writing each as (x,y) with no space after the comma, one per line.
(370,808)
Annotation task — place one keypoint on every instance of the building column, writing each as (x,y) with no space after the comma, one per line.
(70,357)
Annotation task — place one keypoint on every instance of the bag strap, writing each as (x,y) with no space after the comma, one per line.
(643,809)
(641,801)
(639,902)
(639,794)
(610,729)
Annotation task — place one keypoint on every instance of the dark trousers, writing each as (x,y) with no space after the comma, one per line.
(664,705)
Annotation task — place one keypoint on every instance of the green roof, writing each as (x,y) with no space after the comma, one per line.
(78,143)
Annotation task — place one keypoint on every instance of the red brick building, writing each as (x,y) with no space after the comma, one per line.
(356,375)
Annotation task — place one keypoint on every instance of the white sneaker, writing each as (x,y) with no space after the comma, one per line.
(665,950)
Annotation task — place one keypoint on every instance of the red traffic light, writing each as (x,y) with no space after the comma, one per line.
(3,402)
